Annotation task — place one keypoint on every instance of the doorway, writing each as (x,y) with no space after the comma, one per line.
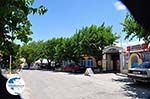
(115,57)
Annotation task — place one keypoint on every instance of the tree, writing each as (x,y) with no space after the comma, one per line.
(138,9)
(92,40)
(14,48)
(134,29)
(33,51)
(50,49)
(28,52)
(40,48)
(86,41)
(14,23)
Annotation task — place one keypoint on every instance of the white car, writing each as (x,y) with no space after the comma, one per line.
(140,73)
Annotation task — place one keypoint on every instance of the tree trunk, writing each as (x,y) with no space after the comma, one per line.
(49,64)
(29,64)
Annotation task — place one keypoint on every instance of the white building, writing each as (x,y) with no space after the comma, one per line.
(114,59)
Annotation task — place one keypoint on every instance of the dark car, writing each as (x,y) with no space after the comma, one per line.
(72,68)
(25,67)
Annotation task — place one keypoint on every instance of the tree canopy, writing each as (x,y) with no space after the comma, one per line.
(32,51)
(14,23)
(92,40)
(86,41)
(134,29)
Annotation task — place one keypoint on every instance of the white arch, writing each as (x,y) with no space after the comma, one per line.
(119,49)
(132,57)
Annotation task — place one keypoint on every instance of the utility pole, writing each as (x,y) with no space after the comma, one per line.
(120,39)
(10,57)
(10,62)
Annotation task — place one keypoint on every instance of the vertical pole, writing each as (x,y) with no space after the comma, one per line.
(10,64)
(120,40)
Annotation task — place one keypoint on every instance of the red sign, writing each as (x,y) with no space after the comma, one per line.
(144,46)
(128,48)
(137,47)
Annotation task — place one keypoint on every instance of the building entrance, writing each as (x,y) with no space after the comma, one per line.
(116,63)
(112,59)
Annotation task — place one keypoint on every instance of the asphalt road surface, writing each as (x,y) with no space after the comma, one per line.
(59,85)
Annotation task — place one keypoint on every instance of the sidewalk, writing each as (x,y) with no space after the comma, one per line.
(27,91)
(9,75)
(121,74)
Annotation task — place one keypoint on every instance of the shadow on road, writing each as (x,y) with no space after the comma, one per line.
(134,90)
(125,80)
(137,90)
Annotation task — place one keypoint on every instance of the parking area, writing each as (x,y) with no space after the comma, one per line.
(60,85)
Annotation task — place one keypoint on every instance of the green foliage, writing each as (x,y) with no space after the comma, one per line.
(16,63)
(12,49)
(133,29)
(92,40)
(50,48)
(31,52)
(88,40)
(14,24)
(57,49)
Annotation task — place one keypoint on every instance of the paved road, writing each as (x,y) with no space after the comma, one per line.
(57,85)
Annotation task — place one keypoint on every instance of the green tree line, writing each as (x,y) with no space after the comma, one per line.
(86,41)
(15,25)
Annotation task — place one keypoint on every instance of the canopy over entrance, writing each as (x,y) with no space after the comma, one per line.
(112,49)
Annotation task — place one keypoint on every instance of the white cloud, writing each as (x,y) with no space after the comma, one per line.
(119,6)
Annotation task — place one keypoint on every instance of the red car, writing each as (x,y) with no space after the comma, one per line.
(71,68)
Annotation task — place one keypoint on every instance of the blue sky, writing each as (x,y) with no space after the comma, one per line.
(65,16)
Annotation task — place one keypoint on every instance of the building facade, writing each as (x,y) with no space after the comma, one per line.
(138,54)
(113,59)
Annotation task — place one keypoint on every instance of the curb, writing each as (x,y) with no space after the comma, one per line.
(121,74)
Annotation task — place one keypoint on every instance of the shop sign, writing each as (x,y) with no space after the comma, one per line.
(137,47)
(113,50)
(128,48)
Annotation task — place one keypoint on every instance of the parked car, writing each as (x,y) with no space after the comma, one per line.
(140,73)
(25,67)
(34,67)
(72,68)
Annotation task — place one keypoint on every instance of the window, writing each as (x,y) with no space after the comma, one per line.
(82,62)
(89,63)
